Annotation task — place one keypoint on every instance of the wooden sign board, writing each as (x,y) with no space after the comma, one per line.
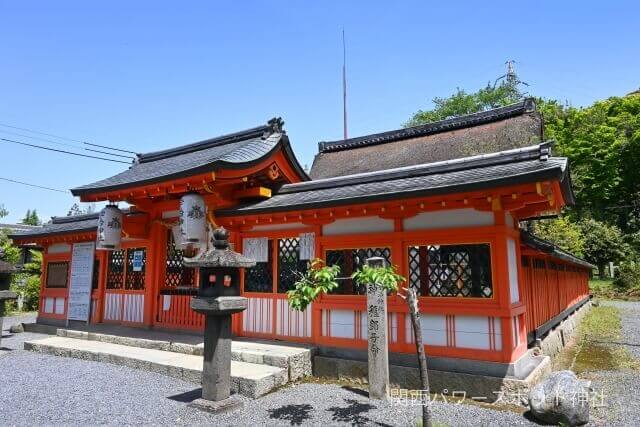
(79,304)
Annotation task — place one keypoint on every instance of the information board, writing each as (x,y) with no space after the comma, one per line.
(79,305)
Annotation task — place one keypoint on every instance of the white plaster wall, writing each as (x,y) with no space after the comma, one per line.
(170,214)
(59,248)
(448,218)
(509,220)
(48,304)
(434,329)
(285,226)
(341,323)
(59,304)
(473,332)
(370,224)
(513,270)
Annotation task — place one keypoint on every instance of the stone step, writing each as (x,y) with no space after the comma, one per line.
(249,379)
(295,359)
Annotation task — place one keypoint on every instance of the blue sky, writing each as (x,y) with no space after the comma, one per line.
(150,75)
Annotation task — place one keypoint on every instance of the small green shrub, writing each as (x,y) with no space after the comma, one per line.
(27,285)
(628,276)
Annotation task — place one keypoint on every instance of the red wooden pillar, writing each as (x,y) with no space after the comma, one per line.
(155,272)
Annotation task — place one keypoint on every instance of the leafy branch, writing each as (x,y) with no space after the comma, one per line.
(387,277)
(318,279)
(321,278)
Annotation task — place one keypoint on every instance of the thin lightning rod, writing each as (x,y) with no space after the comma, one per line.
(344,84)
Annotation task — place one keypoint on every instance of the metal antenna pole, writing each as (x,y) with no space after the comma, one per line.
(344,84)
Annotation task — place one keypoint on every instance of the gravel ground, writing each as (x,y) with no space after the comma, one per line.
(43,389)
(630,312)
(617,389)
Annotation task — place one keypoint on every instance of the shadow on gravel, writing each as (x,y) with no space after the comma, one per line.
(295,414)
(529,416)
(187,396)
(359,391)
(354,413)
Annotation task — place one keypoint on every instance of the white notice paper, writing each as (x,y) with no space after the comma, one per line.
(307,246)
(256,249)
(81,279)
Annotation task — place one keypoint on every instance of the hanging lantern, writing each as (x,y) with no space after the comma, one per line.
(193,222)
(109,232)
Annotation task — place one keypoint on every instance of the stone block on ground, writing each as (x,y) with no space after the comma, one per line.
(561,398)
(248,379)
(18,328)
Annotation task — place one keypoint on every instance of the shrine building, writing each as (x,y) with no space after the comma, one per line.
(443,202)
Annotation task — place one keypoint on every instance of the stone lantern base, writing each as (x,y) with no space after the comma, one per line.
(216,407)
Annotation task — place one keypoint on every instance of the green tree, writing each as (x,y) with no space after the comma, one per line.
(3,211)
(602,243)
(31,218)
(563,232)
(76,209)
(27,282)
(461,102)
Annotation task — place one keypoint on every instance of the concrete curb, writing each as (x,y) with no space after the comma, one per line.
(254,384)
(297,363)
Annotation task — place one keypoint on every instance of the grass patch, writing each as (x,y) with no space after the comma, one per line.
(604,289)
(598,347)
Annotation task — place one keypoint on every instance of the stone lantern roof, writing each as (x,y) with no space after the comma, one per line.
(6,267)
(220,255)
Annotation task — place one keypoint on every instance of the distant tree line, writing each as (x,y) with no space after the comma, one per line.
(602,142)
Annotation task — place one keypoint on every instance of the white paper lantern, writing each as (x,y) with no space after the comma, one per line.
(193,221)
(109,232)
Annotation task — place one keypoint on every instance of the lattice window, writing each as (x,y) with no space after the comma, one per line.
(115,269)
(260,277)
(289,263)
(351,260)
(451,270)
(176,274)
(57,274)
(135,279)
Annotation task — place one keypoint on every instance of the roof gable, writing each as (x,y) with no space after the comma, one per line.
(236,150)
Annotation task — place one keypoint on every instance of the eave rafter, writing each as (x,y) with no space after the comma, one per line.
(515,199)
(273,169)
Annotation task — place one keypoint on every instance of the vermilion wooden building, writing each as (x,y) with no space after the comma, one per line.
(442,202)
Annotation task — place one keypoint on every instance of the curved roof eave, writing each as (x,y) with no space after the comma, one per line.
(215,165)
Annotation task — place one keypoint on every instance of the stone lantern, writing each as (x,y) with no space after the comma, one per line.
(6,270)
(218,298)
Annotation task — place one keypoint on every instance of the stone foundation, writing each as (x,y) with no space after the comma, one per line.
(557,339)
(509,383)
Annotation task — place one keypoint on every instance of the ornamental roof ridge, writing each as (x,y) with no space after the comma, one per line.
(527,105)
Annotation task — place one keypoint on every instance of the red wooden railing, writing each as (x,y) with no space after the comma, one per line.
(174,311)
(548,291)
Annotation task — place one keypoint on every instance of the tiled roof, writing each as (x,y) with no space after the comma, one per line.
(61,225)
(18,227)
(529,164)
(240,148)
(512,126)
(537,243)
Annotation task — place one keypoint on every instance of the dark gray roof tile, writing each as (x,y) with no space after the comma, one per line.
(478,172)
